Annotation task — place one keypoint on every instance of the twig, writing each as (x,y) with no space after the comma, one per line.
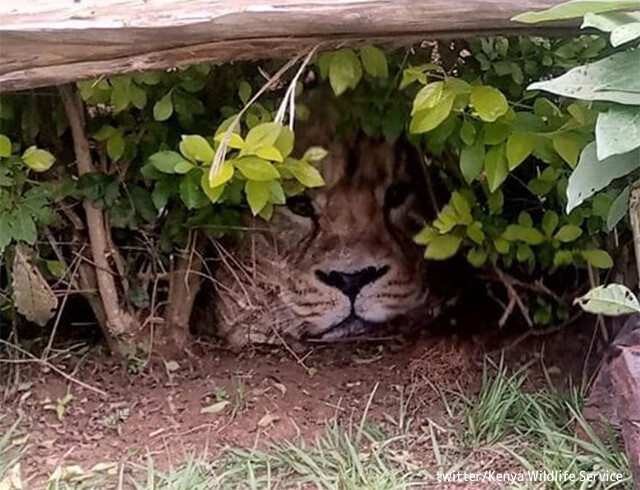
(54,368)
(506,280)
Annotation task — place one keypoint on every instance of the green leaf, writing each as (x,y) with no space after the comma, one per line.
(244,92)
(104,133)
(183,167)
(166,161)
(262,135)
(143,203)
(374,61)
(120,93)
(611,79)
(254,168)
(592,175)
(427,97)
(38,160)
(618,209)
(572,9)
(276,192)
(475,232)
(488,102)
(471,161)
(519,147)
(163,190)
(443,247)
(597,258)
(56,268)
(477,257)
(115,146)
(467,133)
(567,147)
(611,300)
(213,193)
(190,190)
(197,147)
(495,133)
(305,173)
(138,97)
(428,119)
(496,166)
(550,222)
(257,195)
(345,71)
(617,131)
(314,154)
(163,109)
(5,146)
(562,257)
(568,233)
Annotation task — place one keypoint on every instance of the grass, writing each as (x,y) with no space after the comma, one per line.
(524,431)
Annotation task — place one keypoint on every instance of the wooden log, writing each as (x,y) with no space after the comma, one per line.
(45,42)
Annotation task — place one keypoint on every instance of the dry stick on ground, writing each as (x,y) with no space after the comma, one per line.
(37,360)
(119,322)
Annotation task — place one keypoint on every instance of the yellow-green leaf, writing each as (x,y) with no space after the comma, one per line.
(567,148)
(197,148)
(5,146)
(235,140)
(519,147)
(254,168)
(38,160)
(265,134)
(223,174)
(305,173)
(488,102)
(428,97)
(443,247)
(213,193)
(496,167)
(428,119)
(270,153)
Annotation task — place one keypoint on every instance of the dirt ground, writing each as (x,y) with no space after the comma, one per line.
(271,393)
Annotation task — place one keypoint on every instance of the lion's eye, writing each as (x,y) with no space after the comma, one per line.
(301,205)
(396,194)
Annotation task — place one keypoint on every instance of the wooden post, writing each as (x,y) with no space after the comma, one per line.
(46,42)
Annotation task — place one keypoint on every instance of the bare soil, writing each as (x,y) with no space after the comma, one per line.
(272,393)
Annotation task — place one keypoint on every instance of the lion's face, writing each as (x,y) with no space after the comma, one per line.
(336,261)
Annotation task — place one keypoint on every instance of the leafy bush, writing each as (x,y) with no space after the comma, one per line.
(191,148)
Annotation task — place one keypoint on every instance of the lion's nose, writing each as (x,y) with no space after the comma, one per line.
(350,283)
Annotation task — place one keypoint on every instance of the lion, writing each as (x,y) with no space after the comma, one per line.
(337,261)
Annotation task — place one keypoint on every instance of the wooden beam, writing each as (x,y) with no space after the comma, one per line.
(47,42)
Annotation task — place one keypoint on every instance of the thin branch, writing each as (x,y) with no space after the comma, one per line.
(54,368)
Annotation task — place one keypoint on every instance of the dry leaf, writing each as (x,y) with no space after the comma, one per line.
(267,420)
(216,407)
(32,296)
